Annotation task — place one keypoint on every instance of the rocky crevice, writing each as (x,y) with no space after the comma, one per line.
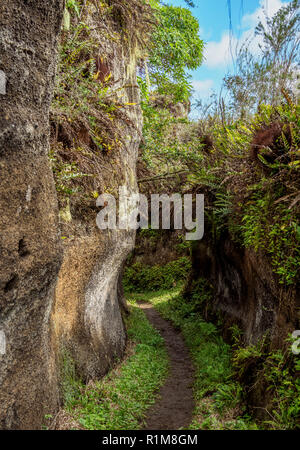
(246,290)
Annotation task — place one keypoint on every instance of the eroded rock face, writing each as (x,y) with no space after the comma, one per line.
(246,291)
(247,294)
(84,279)
(29,250)
(87,315)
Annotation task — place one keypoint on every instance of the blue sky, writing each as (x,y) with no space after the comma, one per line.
(213,19)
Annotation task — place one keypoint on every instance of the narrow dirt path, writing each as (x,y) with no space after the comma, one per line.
(174,408)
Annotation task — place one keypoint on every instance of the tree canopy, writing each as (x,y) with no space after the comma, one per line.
(176,48)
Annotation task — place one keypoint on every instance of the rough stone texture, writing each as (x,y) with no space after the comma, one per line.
(87,315)
(247,294)
(28,222)
(246,291)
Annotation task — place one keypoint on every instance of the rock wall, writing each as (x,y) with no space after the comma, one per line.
(246,291)
(87,316)
(29,241)
(55,294)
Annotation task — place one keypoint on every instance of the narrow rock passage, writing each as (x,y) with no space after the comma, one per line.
(174,408)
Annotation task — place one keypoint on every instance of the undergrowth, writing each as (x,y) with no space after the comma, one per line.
(278,371)
(250,177)
(273,228)
(138,276)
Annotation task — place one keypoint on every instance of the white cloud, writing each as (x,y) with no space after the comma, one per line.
(250,21)
(269,6)
(218,53)
(202,86)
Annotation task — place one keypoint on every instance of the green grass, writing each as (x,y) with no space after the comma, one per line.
(119,400)
(218,397)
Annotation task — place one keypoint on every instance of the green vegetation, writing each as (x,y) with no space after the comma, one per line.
(176,47)
(220,390)
(81,100)
(243,154)
(279,371)
(276,231)
(138,276)
(88,106)
(119,400)
(251,170)
(219,398)
(255,199)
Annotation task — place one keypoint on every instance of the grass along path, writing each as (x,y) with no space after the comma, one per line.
(120,400)
(127,396)
(217,395)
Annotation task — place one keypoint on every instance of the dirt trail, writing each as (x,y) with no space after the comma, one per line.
(174,408)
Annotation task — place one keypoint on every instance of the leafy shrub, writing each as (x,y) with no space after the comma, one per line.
(280,371)
(139,277)
(228,396)
(274,230)
(252,185)
(176,47)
